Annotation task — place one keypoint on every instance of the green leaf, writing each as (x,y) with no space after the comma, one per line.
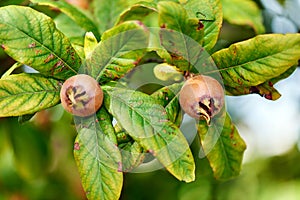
(147,123)
(210,11)
(174,17)
(132,155)
(105,122)
(244,12)
(79,48)
(107,12)
(265,89)
(90,42)
(284,75)
(11,69)
(168,98)
(119,51)
(122,136)
(167,73)
(98,160)
(23,94)
(257,60)
(223,146)
(31,38)
(137,12)
(67,26)
(25,118)
(186,51)
(188,55)
(31,152)
(11,2)
(71,11)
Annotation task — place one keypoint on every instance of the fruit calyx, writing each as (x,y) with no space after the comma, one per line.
(81,95)
(201,97)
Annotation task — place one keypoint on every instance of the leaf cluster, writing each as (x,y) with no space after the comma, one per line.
(113,39)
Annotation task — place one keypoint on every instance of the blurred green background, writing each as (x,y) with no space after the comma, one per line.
(36,163)
(36,158)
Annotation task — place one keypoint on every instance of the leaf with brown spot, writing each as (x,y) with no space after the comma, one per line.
(168,97)
(137,11)
(256,61)
(75,14)
(222,145)
(118,51)
(266,89)
(31,38)
(23,94)
(244,13)
(210,11)
(147,123)
(98,160)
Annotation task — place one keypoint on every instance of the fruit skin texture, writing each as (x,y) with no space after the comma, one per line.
(201,97)
(81,95)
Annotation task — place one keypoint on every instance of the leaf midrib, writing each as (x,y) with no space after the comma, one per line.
(29,93)
(116,53)
(246,63)
(41,44)
(144,119)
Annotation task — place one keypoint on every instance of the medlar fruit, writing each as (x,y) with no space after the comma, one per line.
(81,95)
(201,97)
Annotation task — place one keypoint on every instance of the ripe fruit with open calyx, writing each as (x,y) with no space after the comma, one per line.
(81,95)
(201,97)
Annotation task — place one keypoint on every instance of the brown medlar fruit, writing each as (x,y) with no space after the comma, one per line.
(201,97)
(81,95)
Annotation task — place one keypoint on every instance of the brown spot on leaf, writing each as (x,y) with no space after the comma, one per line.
(163,120)
(270,84)
(231,133)
(200,25)
(76,146)
(254,90)
(116,68)
(49,58)
(68,49)
(234,50)
(59,63)
(135,63)
(268,96)
(32,45)
(151,151)
(37,52)
(3,46)
(140,23)
(163,26)
(239,81)
(120,167)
